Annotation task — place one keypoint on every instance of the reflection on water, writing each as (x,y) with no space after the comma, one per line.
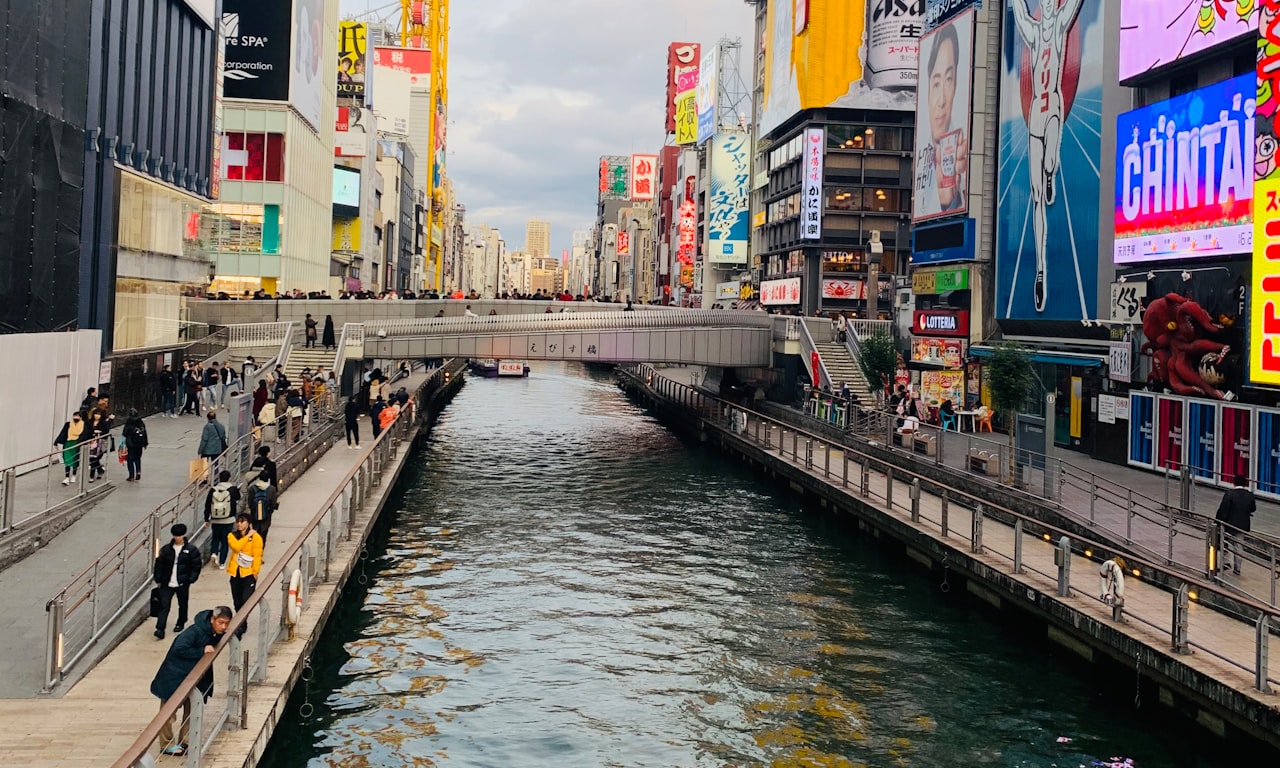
(566,584)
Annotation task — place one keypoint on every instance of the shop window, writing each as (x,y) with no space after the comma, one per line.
(254,157)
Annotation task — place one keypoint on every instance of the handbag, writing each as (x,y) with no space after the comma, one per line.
(155,603)
(197,468)
(123,454)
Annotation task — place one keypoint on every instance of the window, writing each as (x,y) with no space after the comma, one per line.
(253,156)
(871,199)
(864,137)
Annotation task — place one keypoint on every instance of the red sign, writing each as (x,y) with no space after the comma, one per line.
(784,291)
(624,243)
(940,322)
(688,230)
(1169,445)
(683,60)
(415,61)
(814,361)
(1235,441)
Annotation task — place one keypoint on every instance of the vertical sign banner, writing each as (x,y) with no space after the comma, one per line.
(1142,430)
(1171,416)
(1120,361)
(1236,437)
(624,243)
(352,47)
(306,84)
(1267,458)
(1202,438)
(941,184)
(1264,300)
(728,217)
(1046,249)
(644,176)
(683,60)
(815,144)
(708,93)
(615,177)
(687,119)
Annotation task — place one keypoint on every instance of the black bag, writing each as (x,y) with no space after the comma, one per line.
(155,603)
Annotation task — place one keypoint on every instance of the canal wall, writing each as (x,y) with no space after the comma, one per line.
(1195,685)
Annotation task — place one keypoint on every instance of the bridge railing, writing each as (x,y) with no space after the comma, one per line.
(1029,553)
(565,322)
(258,334)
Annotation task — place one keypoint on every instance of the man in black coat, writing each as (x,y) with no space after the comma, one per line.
(188,648)
(176,568)
(1236,510)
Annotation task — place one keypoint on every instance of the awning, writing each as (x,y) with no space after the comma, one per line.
(1078,359)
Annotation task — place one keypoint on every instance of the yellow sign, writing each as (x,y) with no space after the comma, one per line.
(924,283)
(1264,320)
(746,292)
(687,118)
(760,219)
(346,235)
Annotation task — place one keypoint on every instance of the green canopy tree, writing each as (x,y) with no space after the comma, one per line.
(878,360)
(1009,377)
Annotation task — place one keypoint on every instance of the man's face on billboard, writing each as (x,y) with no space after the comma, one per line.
(942,88)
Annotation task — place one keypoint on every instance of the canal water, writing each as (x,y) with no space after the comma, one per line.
(565,583)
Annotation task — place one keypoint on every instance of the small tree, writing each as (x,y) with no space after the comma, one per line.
(1009,377)
(878,360)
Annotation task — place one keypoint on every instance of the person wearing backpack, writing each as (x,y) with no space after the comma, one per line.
(220,506)
(135,441)
(262,504)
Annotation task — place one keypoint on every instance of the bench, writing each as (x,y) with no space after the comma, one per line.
(902,439)
(925,445)
(984,463)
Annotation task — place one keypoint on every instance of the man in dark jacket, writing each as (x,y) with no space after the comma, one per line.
(168,392)
(187,650)
(1236,510)
(176,568)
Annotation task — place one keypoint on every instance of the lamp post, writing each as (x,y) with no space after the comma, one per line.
(875,250)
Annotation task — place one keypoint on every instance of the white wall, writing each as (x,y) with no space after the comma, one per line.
(37,398)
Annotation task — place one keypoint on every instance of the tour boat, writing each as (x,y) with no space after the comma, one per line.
(492,369)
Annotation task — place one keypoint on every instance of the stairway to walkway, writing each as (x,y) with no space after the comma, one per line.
(308,357)
(843,368)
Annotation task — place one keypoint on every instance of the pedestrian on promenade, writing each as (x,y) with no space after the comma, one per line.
(249,369)
(330,340)
(134,435)
(99,435)
(197,640)
(212,385)
(69,439)
(176,568)
(260,397)
(388,415)
(263,463)
(213,439)
(1236,511)
(375,413)
(352,414)
(244,561)
(220,508)
(168,392)
(90,400)
(262,504)
(311,331)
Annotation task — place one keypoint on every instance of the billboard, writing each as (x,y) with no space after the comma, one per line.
(1050,137)
(728,217)
(615,177)
(256,64)
(815,142)
(644,176)
(396,72)
(708,94)
(683,61)
(352,47)
(1264,337)
(346,188)
(1156,33)
(941,185)
(306,84)
(1178,194)
(687,119)
(415,62)
(784,291)
(828,61)
(945,353)
(623,243)
(351,132)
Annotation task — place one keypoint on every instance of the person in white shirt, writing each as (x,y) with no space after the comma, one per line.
(177,567)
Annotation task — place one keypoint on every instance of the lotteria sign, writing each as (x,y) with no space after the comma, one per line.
(1184,175)
(940,322)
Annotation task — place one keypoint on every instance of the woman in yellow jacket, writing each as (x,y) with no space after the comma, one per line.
(244,561)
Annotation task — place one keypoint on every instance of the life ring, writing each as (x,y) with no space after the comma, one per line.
(294,602)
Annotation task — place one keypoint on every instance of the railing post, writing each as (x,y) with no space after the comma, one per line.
(6,499)
(826,459)
(1261,664)
(976,530)
(1128,518)
(808,454)
(1093,497)
(768,437)
(195,728)
(795,445)
(1184,487)
(866,476)
(915,500)
(236,687)
(1213,549)
(844,470)
(937,454)
(946,514)
(1017,546)
(53,647)
(264,636)
(1181,619)
(888,488)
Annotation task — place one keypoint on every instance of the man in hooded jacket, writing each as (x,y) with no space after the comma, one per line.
(188,648)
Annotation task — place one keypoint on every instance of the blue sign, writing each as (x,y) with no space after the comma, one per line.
(948,241)
(1202,438)
(728,214)
(1142,441)
(1268,450)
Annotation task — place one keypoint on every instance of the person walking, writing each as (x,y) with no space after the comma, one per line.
(330,340)
(189,647)
(69,440)
(262,504)
(260,397)
(213,439)
(352,414)
(99,435)
(90,400)
(176,568)
(134,435)
(221,505)
(311,331)
(263,463)
(244,561)
(168,392)
(1236,511)
(191,388)
(375,412)
(212,385)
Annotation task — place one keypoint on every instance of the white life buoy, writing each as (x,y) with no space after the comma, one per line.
(294,601)
(1111,577)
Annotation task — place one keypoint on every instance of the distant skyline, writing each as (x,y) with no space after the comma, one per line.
(529,116)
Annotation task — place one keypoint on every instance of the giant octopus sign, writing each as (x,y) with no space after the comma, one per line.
(1186,357)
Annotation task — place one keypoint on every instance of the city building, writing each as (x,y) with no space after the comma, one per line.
(537,238)
(484,266)
(578,275)
(399,205)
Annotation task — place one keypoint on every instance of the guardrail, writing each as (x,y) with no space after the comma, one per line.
(1027,544)
(566,322)
(864,329)
(312,555)
(33,490)
(258,334)
(103,592)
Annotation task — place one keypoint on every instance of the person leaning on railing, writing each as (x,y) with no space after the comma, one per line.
(191,645)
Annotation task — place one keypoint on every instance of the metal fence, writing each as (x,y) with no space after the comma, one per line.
(312,555)
(33,491)
(258,334)
(1028,546)
(104,592)
(566,322)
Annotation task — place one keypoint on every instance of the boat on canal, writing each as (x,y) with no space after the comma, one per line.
(493,369)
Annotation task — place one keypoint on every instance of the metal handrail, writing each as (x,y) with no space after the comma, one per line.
(68,636)
(335,519)
(867,328)
(811,348)
(12,477)
(557,323)
(257,334)
(1248,610)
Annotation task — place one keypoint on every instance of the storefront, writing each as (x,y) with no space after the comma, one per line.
(939,341)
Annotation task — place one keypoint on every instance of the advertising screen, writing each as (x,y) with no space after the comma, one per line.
(728,217)
(1184,176)
(1268,457)
(942,116)
(256,65)
(1202,438)
(1156,33)
(306,86)
(346,189)
(784,291)
(1264,299)
(1142,429)
(352,46)
(1050,142)
(815,140)
(853,54)
(351,132)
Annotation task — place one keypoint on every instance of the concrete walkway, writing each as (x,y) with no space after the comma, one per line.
(26,585)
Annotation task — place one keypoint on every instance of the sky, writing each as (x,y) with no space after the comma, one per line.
(540,89)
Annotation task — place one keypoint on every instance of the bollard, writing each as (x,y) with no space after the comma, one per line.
(915,500)
(946,514)
(976,531)
(1181,619)
(1062,559)
(1261,664)
(1017,546)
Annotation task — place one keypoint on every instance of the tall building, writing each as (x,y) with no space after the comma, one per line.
(484,264)
(537,238)
(578,277)
(396,164)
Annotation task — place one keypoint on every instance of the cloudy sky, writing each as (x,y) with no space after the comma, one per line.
(540,89)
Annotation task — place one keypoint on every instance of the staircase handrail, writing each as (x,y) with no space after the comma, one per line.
(811,349)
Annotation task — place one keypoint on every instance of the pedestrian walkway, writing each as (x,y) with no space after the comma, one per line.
(26,585)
